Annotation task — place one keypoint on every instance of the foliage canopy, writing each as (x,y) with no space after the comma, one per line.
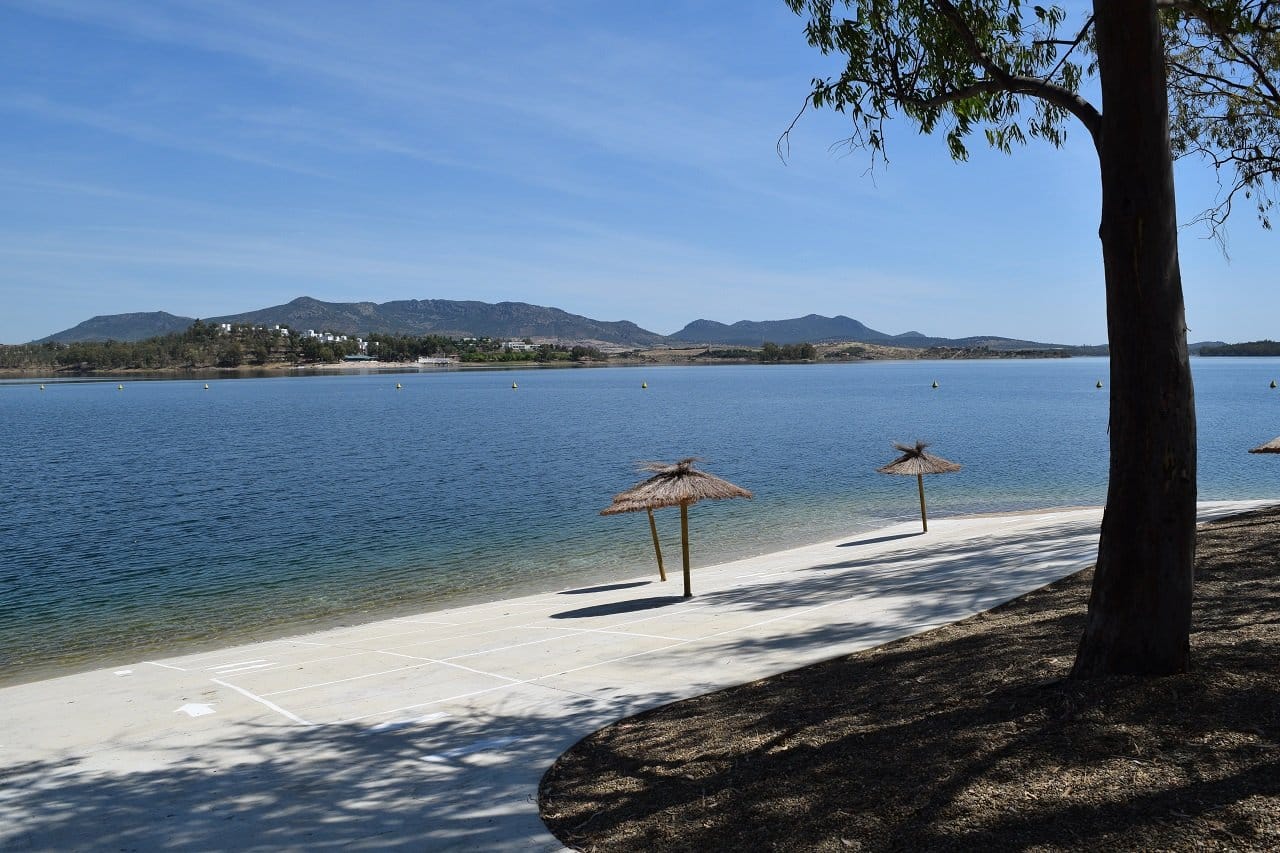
(1015,71)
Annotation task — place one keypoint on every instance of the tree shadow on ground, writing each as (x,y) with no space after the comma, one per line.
(422,786)
(956,738)
(943,582)
(966,737)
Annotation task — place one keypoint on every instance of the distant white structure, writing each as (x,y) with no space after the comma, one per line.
(518,346)
(422,359)
(225,328)
(325,337)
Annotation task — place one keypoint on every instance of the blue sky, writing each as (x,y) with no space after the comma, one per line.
(612,159)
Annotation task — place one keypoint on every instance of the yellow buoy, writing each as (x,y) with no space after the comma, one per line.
(514,386)
(935,384)
(644,384)
(1099,385)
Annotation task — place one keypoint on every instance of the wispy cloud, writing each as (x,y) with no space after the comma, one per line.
(503,91)
(108,122)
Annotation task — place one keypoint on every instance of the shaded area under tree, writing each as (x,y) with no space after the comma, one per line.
(966,737)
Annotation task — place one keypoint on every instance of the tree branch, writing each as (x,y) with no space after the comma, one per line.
(1056,95)
(1219,24)
(1075,42)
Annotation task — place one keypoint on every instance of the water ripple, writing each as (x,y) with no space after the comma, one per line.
(164,515)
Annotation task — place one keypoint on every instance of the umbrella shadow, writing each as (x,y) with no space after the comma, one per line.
(615,607)
(606,588)
(878,539)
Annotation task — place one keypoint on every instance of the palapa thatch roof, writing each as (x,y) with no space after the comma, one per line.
(1272,446)
(915,461)
(672,485)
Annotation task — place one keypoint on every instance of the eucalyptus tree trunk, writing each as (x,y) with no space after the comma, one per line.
(1139,618)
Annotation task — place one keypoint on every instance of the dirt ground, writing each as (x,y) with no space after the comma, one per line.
(966,737)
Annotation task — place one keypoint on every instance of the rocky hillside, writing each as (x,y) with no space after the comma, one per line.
(446,317)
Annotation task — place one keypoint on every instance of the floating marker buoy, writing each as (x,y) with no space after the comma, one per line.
(42,387)
(514,386)
(935,384)
(206,386)
(398,386)
(642,385)
(119,387)
(1099,385)
(1273,384)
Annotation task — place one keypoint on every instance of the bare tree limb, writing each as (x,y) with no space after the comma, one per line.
(1057,95)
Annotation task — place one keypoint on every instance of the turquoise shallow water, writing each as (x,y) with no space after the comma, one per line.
(165,515)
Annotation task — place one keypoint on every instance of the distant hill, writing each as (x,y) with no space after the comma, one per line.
(522,320)
(406,317)
(812,328)
(994,342)
(122,327)
(446,317)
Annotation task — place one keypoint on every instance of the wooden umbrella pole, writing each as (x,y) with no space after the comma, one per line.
(924,519)
(684,546)
(657,549)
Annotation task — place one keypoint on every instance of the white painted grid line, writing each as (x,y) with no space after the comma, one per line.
(164,665)
(236,663)
(348,642)
(609,632)
(417,705)
(341,680)
(457,666)
(682,611)
(272,705)
(298,664)
(248,668)
(501,648)
(503,630)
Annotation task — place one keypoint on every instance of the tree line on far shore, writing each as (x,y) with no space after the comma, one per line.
(204,345)
(1253,348)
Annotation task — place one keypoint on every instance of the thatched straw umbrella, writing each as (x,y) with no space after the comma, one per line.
(673,485)
(1272,446)
(915,461)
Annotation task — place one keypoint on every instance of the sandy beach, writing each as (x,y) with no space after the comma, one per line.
(432,731)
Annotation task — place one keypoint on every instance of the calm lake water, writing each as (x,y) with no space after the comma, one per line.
(166,516)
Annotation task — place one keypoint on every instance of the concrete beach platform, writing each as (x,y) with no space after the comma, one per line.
(431,732)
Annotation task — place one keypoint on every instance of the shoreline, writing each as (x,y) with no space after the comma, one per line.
(271,371)
(299,626)
(678,358)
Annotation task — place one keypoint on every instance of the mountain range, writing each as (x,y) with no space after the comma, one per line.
(520,320)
